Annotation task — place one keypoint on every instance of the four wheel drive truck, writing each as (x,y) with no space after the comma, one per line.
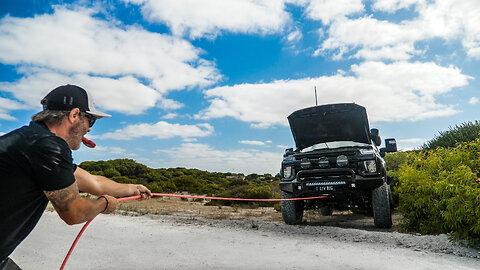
(338,156)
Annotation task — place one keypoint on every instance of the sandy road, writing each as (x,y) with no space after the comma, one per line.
(161,242)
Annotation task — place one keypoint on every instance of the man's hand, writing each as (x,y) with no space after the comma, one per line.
(140,190)
(111,203)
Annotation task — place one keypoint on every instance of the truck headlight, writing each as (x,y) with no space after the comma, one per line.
(367,152)
(305,163)
(371,166)
(323,162)
(342,161)
(287,171)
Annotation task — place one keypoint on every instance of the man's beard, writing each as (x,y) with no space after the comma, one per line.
(75,135)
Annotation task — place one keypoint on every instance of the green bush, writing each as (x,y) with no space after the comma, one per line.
(393,162)
(438,193)
(181,179)
(465,132)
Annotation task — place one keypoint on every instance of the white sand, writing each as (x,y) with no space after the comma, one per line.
(126,242)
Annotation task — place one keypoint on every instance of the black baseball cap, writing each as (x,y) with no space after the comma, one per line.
(68,97)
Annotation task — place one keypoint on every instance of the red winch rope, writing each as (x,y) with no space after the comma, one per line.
(180,196)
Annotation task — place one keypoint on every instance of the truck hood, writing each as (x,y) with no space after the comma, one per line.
(329,123)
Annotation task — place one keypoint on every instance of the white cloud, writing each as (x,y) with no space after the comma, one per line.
(473,100)
(211,17)
(124,94)
(295,35)
(390,92)
(283,146)
(105,152)
(128,65)
(394,5)
(159,130)
(327,10)
(8,105)
(371,38)
(170,116)
(375,39)
(410,143)
(252,142)
(205,157)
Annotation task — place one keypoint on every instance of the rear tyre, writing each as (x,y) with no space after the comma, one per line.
(382,215)
(292,211)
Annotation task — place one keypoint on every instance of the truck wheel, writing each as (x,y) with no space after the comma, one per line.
(382,215)
(326,210)
(292,211)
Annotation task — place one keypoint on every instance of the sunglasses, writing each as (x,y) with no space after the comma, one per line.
(91,119)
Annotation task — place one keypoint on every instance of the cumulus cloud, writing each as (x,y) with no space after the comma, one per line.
(170,116)
(252,142)
(159,130)
(394,5)
(210,17)
(327,10)
(123,64)
(206,157)
(410,143)
(124,94)
(105,152)
(370,38)
(390,92)
(375,39)
(473,100)
(7,105)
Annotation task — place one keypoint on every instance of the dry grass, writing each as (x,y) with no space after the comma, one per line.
(189,208)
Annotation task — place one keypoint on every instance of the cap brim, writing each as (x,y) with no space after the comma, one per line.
(98,114)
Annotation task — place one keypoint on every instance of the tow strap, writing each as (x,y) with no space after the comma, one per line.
(180,196)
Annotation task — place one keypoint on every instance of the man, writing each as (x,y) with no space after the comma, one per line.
(36,166)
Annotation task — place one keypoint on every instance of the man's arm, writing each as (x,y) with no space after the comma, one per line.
(99,185)
(74,209)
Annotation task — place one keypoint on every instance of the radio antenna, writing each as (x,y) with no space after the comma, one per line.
(316,101)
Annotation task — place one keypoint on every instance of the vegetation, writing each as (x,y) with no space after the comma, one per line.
(437,190)
(435,187)
(463,133)
(192,181)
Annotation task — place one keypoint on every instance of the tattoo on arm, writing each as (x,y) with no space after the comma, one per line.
(62,198)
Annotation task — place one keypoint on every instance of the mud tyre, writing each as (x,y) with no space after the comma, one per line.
(292,211)
(382,215)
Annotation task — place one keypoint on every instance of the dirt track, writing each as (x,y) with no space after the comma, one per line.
(183,241)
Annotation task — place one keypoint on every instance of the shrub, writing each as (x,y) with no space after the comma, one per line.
(438,192)
(465,132)
(393,162)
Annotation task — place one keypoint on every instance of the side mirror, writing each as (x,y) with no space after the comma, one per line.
(288,151)
(375,136)
(390,147)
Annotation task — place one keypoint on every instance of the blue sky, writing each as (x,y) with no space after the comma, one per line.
(208,84)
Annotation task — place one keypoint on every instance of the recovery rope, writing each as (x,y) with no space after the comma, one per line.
(180,196)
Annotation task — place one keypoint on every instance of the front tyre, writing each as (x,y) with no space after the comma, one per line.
(292,211)
(382,215)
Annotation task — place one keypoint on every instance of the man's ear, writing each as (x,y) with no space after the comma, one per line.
(74,116)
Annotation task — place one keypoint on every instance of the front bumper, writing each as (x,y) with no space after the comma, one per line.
(334,181)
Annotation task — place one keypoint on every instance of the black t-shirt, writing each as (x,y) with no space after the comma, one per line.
(32,160)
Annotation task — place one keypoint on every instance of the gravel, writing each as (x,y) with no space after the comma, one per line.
(386,238)
(129,241)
